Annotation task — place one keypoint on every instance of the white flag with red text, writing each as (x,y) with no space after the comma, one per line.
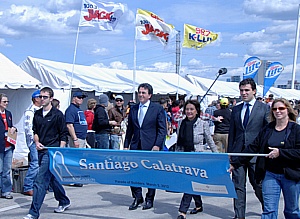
(104,15)
(149,26)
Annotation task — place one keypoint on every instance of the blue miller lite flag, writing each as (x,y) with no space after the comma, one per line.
(271,75)
(251,66)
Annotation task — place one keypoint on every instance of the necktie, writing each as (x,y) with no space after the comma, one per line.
(247,115)
(141,115)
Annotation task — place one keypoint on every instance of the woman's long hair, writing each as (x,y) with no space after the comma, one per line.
(291,112)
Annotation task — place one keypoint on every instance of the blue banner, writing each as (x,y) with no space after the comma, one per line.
(194,173)
(272,73)
(251,66)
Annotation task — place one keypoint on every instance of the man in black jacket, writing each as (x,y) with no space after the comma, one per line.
(222,127)
(50,130)
(101,123)
(247,119)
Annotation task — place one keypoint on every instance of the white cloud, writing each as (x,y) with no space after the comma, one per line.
(159,67)
(118,65)
(99,65)
(227,55)
(195,62)
(273,9)
(32,20)
(100,51)
(3,43)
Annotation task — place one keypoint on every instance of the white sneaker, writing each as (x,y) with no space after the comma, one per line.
(29,216)
(61,209)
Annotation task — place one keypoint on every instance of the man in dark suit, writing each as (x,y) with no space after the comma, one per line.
(247,119)
(146,130)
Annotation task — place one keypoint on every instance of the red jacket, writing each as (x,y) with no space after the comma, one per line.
(89,116)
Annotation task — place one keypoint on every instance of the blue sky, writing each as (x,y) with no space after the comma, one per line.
(47,29)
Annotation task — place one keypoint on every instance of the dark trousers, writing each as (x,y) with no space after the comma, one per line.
(186,201)
(239,181)
(137,192)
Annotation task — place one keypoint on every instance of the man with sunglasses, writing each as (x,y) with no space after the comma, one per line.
(49,128)
(76,122)
(247,119)
(117,113)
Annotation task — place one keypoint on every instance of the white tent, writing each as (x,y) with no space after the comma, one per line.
(18,86)
(220,88)
(58,75)
(231,89)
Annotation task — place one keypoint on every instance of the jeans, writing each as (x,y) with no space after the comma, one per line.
(102,141)
(32,170)
(114,142)
(272,186)
(43,179)
(5,172)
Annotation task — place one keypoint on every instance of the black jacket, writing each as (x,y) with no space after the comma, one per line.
(101,122)
(290,154)
(2,130)
(51,129)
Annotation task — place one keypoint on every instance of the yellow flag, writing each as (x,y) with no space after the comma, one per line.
(196,37)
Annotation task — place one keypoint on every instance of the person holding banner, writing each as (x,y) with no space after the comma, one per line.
(191,132)
(146,130)
(50,130)
(247,119)
(280,168)
(6,148)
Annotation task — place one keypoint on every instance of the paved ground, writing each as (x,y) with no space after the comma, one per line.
(111,202)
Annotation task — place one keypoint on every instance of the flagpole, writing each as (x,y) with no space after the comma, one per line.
(179,67)
(134,68)
(73,65)
(296,49)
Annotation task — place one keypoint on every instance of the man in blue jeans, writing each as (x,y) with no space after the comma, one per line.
(50,130)
(33,165)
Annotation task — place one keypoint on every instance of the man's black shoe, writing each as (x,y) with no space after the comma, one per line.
(136,203)
(148,205)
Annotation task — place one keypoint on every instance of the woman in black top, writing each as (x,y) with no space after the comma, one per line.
(279,170)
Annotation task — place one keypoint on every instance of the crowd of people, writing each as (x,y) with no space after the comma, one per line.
(254,125)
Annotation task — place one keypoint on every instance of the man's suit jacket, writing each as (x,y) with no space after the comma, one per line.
(239,137)
(2,129)
(153,130)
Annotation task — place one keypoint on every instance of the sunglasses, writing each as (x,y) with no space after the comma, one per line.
(80,97)
(119,100)
(5,101)
(279,108)
(44,97)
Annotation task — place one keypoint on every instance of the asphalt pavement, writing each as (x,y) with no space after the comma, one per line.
(97,201)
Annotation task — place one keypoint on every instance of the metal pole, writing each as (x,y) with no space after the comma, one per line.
(296,49)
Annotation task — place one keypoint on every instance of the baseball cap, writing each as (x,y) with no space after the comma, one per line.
(119,97)
(224,101)
(35,94)
(79,94)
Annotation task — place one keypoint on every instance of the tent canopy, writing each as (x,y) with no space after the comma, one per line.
(231,89)
(13,77)
(89,78)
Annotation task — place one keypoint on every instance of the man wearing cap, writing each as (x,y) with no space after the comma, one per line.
(222,127)
(33,165)
(101,123)
(76,122)
(117,113)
